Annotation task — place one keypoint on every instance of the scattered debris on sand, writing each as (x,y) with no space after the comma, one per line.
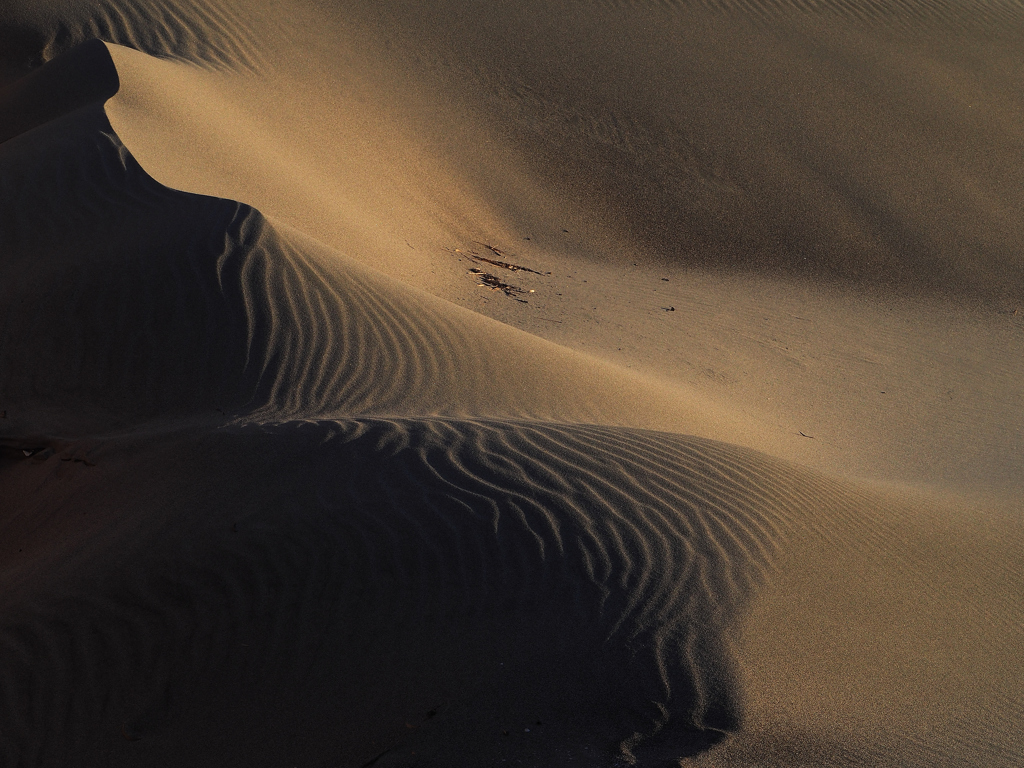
(487,280)
(495,284)
(503,264)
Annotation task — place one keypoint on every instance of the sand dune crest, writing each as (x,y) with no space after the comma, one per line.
(207,32)
(616,560)
(222,315)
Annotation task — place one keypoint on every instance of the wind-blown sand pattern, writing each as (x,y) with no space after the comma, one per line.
(539,385)
(214,33)
(644,545)
(218,313)
(600,564)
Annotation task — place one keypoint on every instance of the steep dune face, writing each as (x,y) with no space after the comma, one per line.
(84,76)
(177,305)
(461,592)
(100,242)
(431,553)
(261,504)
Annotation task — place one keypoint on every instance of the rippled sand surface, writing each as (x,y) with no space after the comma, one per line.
(589,383)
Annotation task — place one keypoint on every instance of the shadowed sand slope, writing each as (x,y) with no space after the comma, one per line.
(209,32)
(84,76)
(433,592)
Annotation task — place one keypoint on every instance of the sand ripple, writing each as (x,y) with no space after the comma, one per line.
(215,312)
(617,560)
(209,32)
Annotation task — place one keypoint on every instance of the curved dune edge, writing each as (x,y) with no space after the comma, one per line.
(212,33)
(84,76)
(398,587)
(724,181)
(876,380)
(455,592)
(812,148)
(182,306)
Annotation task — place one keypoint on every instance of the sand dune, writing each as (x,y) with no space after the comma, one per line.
(809,146)
(342,421)
(353,577)
(176,305)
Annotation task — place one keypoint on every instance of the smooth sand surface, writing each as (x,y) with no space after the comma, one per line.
(590,383)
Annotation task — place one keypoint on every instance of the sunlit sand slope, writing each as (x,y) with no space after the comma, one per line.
(867,144)
(149,303)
